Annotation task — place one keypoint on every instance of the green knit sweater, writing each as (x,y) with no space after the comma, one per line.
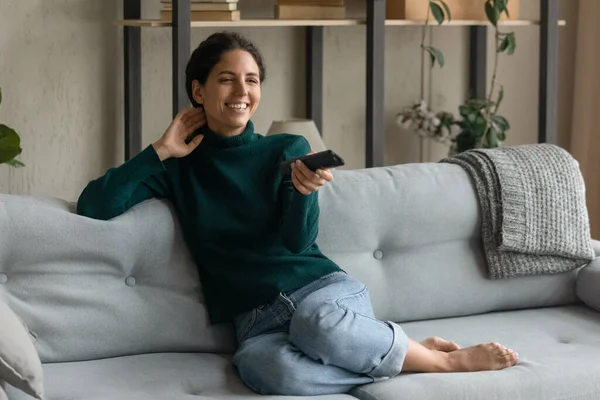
(251,233)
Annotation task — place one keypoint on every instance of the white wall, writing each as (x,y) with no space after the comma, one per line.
(61,75)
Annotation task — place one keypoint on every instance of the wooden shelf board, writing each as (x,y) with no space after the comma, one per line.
(404,22)
(148,23)
(157,23)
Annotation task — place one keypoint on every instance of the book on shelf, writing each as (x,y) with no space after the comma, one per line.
(206,6)
(167,15)
(284,11)
(324,3)
(201,1)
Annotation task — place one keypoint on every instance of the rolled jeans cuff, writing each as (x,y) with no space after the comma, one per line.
(392,362)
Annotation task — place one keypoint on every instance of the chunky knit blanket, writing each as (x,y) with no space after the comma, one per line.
(534,215)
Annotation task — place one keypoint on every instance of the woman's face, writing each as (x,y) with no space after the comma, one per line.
(231,93)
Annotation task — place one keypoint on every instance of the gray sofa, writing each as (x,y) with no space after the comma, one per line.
(119,315)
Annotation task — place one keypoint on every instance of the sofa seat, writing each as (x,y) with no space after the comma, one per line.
(159,376)
(559,351)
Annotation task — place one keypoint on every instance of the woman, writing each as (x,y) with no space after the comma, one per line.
(304,326)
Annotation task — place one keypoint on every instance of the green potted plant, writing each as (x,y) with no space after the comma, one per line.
(10,144)
(479,125)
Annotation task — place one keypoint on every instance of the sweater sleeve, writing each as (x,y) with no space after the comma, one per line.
(140,178)
(300,221)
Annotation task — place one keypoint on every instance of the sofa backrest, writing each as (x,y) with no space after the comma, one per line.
(94,289)
(412,233)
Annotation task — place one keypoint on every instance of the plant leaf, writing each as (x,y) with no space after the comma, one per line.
(15,163)
(501,136)
(435,55)
(464,111)
(490,138)
(10,144)
(437,12)
(491,13)
(446,9)
(501,123)
(505,7)
(439,56)
(500,97)
(476,104)
(504,44)
(512,43)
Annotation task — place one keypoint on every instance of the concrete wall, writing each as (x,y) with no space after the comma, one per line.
(61,75)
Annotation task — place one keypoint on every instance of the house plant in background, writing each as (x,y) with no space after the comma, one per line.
(10,144)
(479,124)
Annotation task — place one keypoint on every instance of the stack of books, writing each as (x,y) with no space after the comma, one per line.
(202,10)
(310,9)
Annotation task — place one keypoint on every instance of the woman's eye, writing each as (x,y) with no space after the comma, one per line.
(253,81)
(226,80)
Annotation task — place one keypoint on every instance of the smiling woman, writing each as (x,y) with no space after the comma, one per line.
(304,326)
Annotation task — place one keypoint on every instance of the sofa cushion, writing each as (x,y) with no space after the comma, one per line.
(559,349)
(166,376)
(412,234)
(588,283)
(94,289)
(20,365)
(596,246)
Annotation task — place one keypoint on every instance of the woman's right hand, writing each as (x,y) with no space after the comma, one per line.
(173,144)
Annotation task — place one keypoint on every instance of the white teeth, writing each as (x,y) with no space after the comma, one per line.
(237,106)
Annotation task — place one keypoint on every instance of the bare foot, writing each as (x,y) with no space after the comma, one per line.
(437,343)
(483,357)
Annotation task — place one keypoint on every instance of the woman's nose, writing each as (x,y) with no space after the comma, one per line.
(241,88)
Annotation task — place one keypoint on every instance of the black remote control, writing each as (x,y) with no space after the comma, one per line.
(322,160)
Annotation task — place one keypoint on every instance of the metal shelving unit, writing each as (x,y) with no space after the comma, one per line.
(375,70)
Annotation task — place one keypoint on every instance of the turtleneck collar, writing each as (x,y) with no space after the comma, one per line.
(215,140)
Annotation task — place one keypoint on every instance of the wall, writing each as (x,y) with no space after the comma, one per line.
(61,74)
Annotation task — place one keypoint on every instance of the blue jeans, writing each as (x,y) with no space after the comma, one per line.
(320,339)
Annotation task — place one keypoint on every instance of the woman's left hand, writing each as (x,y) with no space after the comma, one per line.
(306,181)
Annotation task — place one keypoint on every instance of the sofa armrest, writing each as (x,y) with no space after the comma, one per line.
(596,246)
(587,286)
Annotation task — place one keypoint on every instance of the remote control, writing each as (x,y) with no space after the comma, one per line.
(322,160)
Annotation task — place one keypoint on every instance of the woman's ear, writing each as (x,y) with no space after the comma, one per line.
(197,91)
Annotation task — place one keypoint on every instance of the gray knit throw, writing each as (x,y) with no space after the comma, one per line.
(533,210)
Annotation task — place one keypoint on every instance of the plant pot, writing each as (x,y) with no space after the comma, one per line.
(459,9)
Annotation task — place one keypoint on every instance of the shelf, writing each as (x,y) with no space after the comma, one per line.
(157,23)
(404,22)
(148,23)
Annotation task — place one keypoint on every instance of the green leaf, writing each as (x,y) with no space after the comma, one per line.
(500,97)
(512,43)
(435,55)
(491,140)
(439,56)
(437,12)
(15,163)
(505,7)
(464,111)
(476,104)
(446,9)
(501,123)
(10,144)
(491,13)
(503,44)
(465,141)
(501,136)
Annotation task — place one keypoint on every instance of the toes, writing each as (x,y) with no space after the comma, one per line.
(509,358)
